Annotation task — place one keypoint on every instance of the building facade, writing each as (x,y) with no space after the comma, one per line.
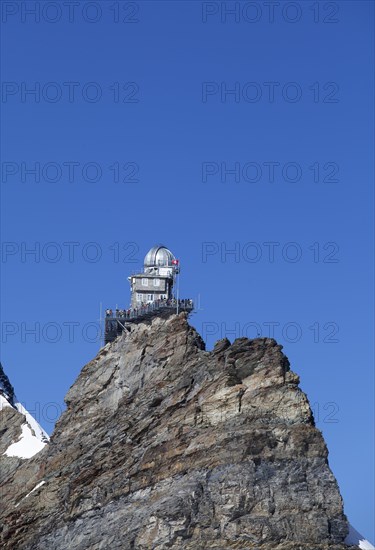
(156,282)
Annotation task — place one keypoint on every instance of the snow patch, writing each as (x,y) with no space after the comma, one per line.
(33,438)
(28,494)
(4,403)
(37,429)
(356,539)
(35,488)
(27,446)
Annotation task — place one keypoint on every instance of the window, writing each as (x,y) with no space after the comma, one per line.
(150,297)
(156,282)
(144,282)
(139,297)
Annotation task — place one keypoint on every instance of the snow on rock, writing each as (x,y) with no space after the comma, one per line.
(38,430)
(28,494)
(33,438)
(355,539)
(4,402)
(35,488)
(27,446)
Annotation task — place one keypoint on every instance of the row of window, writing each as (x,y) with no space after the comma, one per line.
(150,297)
(155,283)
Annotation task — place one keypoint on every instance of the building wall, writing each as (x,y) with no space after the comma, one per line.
(163,290)
(138,286)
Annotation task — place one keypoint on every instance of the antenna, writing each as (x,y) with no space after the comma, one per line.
(101,326)
(178,288)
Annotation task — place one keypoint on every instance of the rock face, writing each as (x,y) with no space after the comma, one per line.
(164,445)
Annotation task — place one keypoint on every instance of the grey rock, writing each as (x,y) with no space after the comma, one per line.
(165,445)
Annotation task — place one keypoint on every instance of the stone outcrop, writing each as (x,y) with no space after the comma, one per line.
(165,445)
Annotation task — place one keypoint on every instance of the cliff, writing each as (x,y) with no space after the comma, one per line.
(165,445)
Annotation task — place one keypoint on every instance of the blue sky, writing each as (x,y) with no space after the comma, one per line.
(211,132)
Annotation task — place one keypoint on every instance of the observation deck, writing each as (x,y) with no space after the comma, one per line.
(119,320)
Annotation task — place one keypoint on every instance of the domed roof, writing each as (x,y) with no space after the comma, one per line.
(159,255)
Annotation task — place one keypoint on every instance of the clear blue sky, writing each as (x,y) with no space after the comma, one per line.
(147,100)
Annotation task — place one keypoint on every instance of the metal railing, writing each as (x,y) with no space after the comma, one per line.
(125,315)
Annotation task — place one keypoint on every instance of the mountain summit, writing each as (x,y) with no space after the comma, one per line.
(166,445)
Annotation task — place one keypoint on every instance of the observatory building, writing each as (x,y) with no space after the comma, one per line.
(160,269)
(154,292)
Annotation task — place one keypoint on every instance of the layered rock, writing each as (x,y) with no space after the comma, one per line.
(166,445)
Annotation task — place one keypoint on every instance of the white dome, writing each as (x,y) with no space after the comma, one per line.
(159,255)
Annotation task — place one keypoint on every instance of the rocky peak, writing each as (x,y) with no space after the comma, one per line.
(6,388)
(166,445)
